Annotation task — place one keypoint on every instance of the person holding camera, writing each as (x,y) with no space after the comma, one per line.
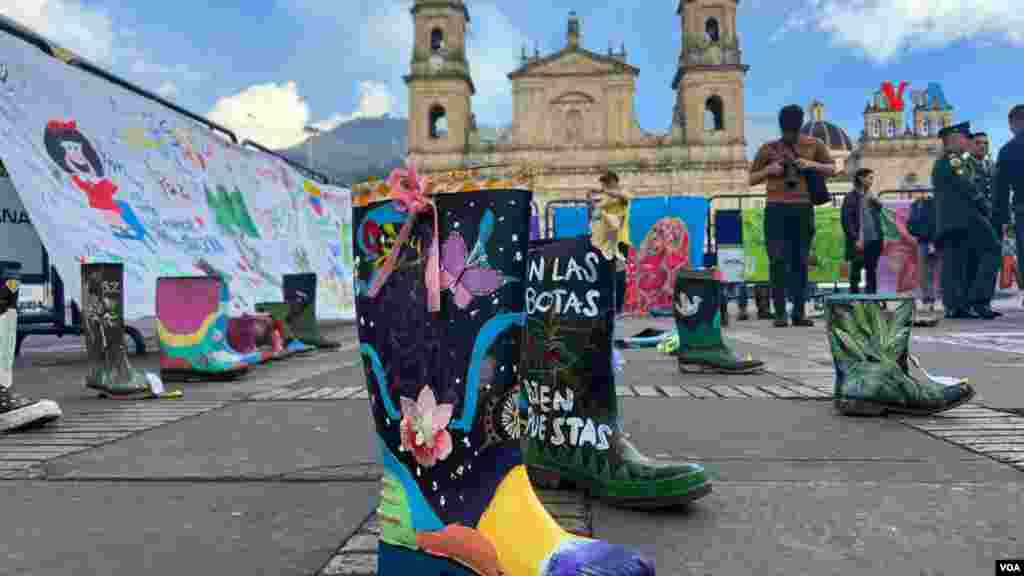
(789,215)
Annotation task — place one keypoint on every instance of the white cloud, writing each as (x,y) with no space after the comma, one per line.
(375,100)
(386,40)
(90,33)
(882,29)
(273,115)
(86,31)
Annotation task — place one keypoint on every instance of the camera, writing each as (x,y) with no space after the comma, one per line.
(791,175)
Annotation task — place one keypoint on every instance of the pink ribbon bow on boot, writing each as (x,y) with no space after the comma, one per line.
(408,191)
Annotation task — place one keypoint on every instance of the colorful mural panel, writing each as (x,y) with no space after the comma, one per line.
(108,176)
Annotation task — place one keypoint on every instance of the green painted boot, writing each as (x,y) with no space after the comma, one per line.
(697,312)
(300,292)
(110,373)
(871,352)
(573,435)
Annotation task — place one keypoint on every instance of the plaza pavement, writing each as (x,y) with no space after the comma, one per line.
(275,473)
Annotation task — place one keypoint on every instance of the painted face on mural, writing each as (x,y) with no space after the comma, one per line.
(70,150)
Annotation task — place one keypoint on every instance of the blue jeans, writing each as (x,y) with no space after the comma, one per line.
(740,292)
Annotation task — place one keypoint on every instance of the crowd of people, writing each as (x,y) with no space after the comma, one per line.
(961,225)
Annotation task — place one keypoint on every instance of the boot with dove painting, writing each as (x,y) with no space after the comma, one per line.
(697,311)
(439,283)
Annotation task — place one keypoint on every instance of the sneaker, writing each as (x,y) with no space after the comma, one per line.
(17,411)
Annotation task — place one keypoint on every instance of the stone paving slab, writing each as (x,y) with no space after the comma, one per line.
(174,528)
(258,440)
(357,555)
(87,425)
(837,528)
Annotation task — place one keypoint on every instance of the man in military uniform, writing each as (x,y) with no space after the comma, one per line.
(963,231)
(983,170)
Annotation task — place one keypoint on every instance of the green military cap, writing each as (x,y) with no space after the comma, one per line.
(963,128)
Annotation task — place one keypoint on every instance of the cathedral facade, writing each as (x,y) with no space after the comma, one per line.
(573,113)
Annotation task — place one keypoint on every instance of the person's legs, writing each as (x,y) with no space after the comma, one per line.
(856,270)
(1019,237)
(872,254)
(775,238)
(987,253)
(926,272)
(954,254)
(742,300)
(799,250)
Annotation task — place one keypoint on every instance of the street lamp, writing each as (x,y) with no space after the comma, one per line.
(312,131)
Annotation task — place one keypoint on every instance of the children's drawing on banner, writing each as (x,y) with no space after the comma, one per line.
(664,250)
(898,267)
(72,152)
(230,212)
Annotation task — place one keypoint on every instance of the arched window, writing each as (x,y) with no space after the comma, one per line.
(438,122)
(574,126)
(714,118)
(436,39)
(711,30)
(891,131)
(876,129)
(926,127)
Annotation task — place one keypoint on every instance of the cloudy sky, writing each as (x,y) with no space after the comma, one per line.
(268,67)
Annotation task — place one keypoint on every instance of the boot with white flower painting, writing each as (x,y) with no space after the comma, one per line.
(697,312)
(16,411)
(443,389)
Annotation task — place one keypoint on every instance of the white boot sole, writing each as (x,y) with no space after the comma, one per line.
(40,411)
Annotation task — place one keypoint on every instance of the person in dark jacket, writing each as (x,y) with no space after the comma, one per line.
(1010,176)
(962,230)
(870,240)
(922,226)
(850,218)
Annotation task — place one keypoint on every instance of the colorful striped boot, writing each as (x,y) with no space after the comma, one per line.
(192,324)
(443,387)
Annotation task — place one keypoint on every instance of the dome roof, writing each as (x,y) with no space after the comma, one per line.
(833,136)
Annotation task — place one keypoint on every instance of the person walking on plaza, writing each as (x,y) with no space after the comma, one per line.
(789,214)
(1010,177)
(921,224)
(850,219)
(983,171)
(962,230)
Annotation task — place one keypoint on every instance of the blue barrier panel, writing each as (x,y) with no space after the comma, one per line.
(571,221)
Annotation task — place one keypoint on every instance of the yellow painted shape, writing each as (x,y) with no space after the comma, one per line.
(184,340)
(137,139)
(520,527)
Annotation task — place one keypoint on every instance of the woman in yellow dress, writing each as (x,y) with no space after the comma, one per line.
(609,233)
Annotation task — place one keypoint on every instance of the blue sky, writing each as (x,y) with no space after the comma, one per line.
(267,67)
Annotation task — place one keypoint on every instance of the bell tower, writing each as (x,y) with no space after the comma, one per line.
(439,82)
(709,80)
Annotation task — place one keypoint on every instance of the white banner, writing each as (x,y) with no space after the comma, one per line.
(108,176)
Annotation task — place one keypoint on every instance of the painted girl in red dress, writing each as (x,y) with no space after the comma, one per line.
(664,250)
(70,150)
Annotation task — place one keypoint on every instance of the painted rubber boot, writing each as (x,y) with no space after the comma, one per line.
(16,411)
(300,292)
(871,352)
(281,312)
(252,336)
(697,312)
(192,324)
(763,302)
(456,498)
(573,431)
(109,371)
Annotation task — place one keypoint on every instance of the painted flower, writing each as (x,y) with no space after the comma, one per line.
(423,428)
